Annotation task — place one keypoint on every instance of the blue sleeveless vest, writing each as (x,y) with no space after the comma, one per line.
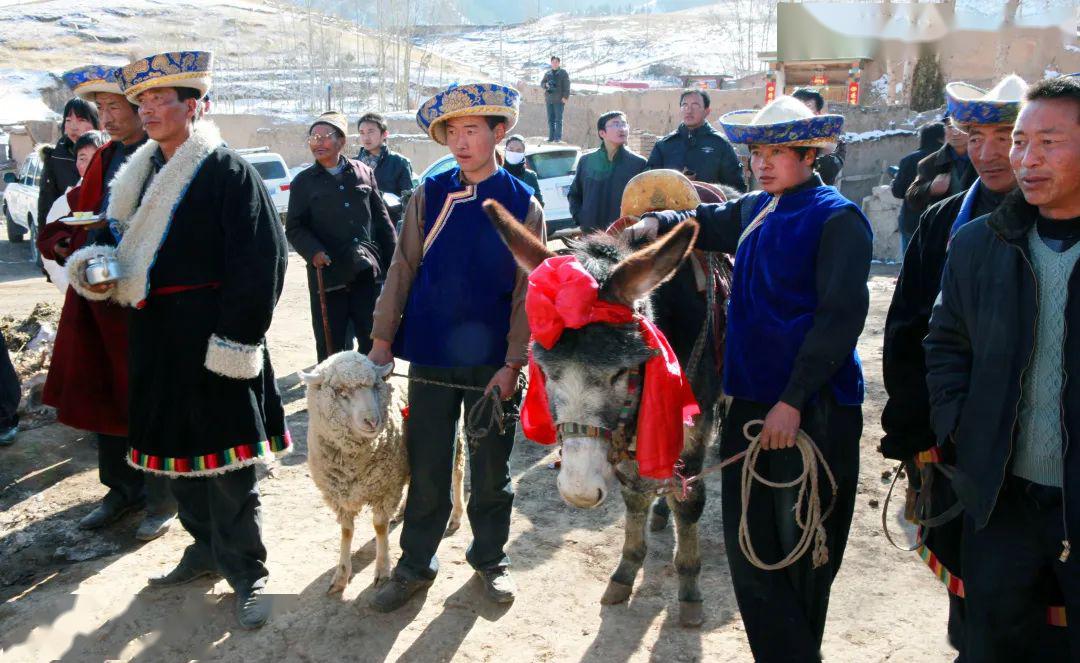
(458,312)
(773,298)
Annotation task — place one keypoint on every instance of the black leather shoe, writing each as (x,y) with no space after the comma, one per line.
(396,592)
(184,573)
(106,514)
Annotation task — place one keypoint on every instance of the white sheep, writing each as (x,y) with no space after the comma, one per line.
(357,455)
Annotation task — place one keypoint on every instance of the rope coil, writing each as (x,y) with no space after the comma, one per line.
(477,425)
(811,520)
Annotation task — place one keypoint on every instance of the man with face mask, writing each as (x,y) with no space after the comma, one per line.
(515,164)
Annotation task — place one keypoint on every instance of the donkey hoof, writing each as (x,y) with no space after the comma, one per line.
(691,613)
(616,592)
(451,527)
(657,522)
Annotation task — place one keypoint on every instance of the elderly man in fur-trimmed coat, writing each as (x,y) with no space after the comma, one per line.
(202,260)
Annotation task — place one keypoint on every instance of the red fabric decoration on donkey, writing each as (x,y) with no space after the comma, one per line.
(562,295)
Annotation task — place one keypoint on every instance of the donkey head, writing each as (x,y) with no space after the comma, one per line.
(587,369)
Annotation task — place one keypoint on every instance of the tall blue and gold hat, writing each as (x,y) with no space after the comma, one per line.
(467,99)
(87,81)
(189,69)
(784,121)
(969,105)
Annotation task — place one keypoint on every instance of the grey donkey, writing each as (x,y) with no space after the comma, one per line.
(587,373)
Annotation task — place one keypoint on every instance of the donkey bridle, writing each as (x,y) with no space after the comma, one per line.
(622,440)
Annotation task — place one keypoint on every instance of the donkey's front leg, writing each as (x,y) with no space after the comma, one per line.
(688,554)
(633,552)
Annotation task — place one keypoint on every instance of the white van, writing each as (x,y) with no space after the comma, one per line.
(275,175)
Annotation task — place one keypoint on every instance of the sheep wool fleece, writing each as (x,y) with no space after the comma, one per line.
(203,258)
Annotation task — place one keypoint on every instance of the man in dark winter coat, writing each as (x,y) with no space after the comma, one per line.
(931,137)
(906,417)
(596,192)
(58,171)
(556,84)
(696,149)
(202,257)
(337,221)
(941,174)
(999,351)
(393,171)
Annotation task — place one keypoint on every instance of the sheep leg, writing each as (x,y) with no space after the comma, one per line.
(457,485)
(381,520)
(344,568)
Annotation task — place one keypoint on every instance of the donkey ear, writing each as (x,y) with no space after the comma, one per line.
(643,270)
(527,248)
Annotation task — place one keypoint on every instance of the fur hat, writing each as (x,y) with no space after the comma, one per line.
(190,69)
(784,121)
(87,81)
(469,99)
(969,105)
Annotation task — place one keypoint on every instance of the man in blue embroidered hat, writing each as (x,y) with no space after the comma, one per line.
(987,119)
(797,306)
(202,260)
(454,306)
(1000,352)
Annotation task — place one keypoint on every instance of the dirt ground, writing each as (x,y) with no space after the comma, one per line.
(76,596)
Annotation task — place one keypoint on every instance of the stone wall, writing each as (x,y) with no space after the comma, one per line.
(883,211)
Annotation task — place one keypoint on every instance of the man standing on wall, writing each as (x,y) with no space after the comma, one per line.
(556,84)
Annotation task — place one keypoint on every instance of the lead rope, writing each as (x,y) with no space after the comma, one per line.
(812,523)
(477,425)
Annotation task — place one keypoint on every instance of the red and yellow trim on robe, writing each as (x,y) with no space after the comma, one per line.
(468,194)
(954,584)
(931,455)
(1055,614)
(210,463)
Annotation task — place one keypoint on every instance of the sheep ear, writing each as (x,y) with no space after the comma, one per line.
(312,379)
(385,370)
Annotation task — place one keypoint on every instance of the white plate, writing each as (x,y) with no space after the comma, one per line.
(72,221)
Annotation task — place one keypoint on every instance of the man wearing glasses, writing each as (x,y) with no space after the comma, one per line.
(338,223)
(596,193)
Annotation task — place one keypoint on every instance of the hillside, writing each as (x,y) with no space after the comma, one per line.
(269,58)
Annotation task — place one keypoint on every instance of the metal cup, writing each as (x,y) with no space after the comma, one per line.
(102,269)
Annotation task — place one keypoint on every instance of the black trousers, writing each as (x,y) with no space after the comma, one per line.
(430,434)
(128,485)
(221,512)
(10,392)
(784,611)
(554,118)
(1010,567)
(349,310)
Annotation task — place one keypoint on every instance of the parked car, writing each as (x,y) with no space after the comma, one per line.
(554,166)
(20,203)
(275,174)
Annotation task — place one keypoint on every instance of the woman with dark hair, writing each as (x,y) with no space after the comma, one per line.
(514,163)
(58,161)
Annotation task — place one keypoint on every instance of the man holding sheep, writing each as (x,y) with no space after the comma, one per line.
(453,306)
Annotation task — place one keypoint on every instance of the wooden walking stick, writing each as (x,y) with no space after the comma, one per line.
(325,316)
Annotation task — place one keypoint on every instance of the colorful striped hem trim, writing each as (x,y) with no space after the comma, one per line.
(1055,615)
(952,583)
(232,458)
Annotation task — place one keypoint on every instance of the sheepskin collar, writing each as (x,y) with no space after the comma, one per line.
(144,220)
